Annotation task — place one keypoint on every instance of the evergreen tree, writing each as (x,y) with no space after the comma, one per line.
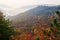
(5,28)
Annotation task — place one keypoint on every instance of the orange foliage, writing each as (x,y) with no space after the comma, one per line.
(47,29)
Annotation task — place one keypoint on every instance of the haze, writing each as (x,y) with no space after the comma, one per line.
(13,4)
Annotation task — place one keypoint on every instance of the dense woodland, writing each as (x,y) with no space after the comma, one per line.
(49,29)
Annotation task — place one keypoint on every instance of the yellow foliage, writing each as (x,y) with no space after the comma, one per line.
(36,31)
(47,29)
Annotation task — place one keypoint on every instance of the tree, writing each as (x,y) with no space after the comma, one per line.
(55,25)
(36,39)
(5,28)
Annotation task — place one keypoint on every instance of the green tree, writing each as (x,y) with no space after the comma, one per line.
(55,24)
(5,28)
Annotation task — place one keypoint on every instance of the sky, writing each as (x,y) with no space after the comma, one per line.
(20,3)
(12,4)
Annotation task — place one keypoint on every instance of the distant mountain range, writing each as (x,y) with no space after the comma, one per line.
(8,11)
(37,11)
(30,17)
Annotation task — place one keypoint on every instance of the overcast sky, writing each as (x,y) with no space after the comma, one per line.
(20,3)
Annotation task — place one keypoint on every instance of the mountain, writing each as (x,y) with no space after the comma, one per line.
(15,11)
(31,16)
(39,10)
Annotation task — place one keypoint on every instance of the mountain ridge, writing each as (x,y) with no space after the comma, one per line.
(29,17)
(39,9)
